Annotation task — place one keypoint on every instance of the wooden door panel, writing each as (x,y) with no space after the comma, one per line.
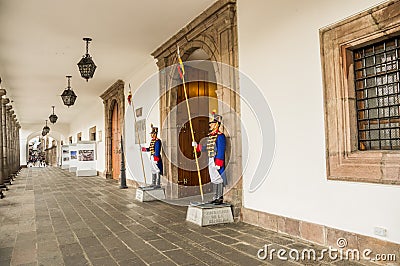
(199,112)
(115,140)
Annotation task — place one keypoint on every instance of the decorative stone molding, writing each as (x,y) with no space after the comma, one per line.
(343,159)
(215,32)
(113,95)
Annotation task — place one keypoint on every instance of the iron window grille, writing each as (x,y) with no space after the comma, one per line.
(376,69)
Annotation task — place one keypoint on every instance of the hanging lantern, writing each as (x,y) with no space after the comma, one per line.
(68,96)
(46,129)
(86,65)
(53,118)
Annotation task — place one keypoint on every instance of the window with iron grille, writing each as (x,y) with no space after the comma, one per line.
(376,69)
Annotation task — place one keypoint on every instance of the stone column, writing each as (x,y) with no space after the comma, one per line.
(8,132)
(18,146)
(14,142)
(6,169)
(2,173)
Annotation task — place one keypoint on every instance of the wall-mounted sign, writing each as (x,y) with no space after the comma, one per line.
(141,128)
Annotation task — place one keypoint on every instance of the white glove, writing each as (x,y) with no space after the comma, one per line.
(194,144)
(217,167)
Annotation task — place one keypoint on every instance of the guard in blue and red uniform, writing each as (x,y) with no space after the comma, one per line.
(155,158)
(216,145)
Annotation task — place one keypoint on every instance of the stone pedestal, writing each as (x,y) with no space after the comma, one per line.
(149,194)
(208,214)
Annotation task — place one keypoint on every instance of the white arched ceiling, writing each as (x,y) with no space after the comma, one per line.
(55,135)
(42,42)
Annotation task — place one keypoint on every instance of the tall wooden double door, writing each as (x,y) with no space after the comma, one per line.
(199,93)
(115,143)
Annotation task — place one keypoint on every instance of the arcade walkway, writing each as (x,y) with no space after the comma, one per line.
(51,217)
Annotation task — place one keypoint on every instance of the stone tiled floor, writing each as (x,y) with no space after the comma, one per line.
(51,217)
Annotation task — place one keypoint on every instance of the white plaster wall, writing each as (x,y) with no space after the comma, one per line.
(92,115)
(145,90)
(279,49)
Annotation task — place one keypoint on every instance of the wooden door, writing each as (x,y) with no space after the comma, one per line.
(199,109)
(115,143)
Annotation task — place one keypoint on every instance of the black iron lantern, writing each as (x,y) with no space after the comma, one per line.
(46,129)
(53,118)
(86,65)
(43,133)
(68,96)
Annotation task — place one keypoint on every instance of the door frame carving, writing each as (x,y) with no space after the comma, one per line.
(114,94)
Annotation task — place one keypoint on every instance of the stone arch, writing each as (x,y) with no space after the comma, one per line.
(112,96)
(214,31)
(52,155)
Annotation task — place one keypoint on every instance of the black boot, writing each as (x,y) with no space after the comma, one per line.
(153,180)
(218,194)
(158,181)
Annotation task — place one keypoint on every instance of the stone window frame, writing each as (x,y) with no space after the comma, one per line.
(344,161)
(92,133)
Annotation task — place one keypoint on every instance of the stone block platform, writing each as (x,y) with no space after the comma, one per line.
(208,214)
(144,194)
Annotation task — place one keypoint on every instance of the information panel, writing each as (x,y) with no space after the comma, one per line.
(65,157)
(87,159)
(73,157)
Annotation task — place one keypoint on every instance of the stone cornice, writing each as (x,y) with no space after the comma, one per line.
(199,21)
(113,89)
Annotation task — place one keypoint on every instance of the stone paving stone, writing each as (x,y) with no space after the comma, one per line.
(163,263)
(23,256)
(111,241)
(131,262)
(51,259)
(71,249)
(66,238)
(120,254)
(224,239)
(149,254)
(47,247)
(181,257)
(162,245)
(51,217)
(5,254)
(76,259)
(246,248)
(105,261)
(95,252)
(5,262)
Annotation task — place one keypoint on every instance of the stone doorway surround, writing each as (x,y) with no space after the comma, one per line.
(113,95)
(215,32)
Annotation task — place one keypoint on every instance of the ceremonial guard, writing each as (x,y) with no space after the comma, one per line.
(155,158)
(216,145)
